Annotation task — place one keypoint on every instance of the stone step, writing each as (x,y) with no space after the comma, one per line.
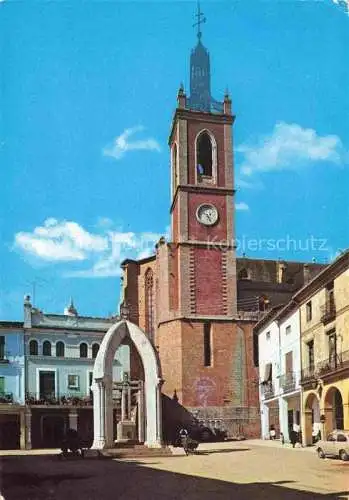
(135,451)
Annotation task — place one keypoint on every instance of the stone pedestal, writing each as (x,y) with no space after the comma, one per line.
(126,431)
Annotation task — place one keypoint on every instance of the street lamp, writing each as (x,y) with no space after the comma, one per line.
(124,310)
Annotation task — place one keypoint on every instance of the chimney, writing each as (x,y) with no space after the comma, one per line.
(181,98)
(306,274)
(27,312)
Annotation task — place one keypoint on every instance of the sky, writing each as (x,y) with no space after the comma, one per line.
(88,90)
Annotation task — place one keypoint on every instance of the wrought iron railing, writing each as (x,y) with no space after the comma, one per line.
(68,399)
(6,398)
(268,390)
(327,366)
(288,381)
(328,311)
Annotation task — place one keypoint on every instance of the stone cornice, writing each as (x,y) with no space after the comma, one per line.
(201,188)
(201,116)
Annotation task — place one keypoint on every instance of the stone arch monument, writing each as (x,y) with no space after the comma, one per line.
(102,386)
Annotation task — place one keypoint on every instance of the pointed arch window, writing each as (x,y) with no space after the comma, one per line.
(60,348)
(33,348)
(149,302)
(205,154)
(46,348)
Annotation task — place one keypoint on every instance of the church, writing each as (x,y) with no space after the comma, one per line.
(195,299)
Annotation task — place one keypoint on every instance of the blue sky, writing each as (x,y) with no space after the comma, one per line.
(87,94)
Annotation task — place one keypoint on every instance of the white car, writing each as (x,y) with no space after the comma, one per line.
(336,445)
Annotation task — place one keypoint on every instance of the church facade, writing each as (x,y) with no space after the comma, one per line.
(194,298)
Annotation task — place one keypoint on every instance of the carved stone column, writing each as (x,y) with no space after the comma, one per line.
(98,414)
(141,416)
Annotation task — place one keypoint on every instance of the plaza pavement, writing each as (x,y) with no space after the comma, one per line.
(256,470)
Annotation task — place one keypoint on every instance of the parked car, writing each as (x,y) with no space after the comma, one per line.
(336,445)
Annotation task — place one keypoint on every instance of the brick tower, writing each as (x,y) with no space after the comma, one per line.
(185,296)
(205,354)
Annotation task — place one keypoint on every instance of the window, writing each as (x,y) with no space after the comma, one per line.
(332,348)
(47,384)
(149,303)
(204,155)
(207,345)
(60,347)
(288,329)
(309,312)
(243,274)
(2,386)
(73,381)
(83,350)
(289,362)
(95,349)
(2,347)
(267,335)
(33,348)
(331,437)
(341,438)
(310,348)
(46,348)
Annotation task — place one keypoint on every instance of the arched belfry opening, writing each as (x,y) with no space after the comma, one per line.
(205,154)
(149,302)
(143,399)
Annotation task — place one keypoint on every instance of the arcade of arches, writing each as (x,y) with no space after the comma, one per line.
(325,409)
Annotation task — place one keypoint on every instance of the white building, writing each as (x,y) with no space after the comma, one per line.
(60,352)
(280,370)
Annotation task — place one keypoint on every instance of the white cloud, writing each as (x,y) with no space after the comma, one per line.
(242,206)
(122,144)
(343,3)
(289,147)
(62,241)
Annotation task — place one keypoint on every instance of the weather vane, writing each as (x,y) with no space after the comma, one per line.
(200,20)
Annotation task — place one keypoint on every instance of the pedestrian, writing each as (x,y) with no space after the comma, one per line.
(293,438)
(272,433)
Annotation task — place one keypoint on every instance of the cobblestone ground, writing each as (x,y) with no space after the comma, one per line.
(248,470)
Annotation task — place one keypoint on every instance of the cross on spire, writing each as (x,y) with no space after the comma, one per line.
(200,20)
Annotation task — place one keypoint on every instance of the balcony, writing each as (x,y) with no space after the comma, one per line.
(288,382)
(6,398)
(268,390)
(326,367)
(68,399)
(328,311)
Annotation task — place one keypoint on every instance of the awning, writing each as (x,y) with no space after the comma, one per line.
(267,373)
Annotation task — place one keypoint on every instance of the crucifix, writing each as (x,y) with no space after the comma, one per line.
(200,20)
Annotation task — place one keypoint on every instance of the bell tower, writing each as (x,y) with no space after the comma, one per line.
(202,209)
(196,307)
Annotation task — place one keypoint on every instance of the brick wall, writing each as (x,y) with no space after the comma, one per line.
(208,281)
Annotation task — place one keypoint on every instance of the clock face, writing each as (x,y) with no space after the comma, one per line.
(207,214)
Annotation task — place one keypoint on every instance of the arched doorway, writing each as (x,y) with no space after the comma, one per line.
(334,415)
(312,425)
(102,386)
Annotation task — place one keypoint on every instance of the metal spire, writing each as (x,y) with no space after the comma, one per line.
(200,20)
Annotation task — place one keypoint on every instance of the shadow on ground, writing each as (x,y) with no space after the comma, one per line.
(46,478)
(221,450)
